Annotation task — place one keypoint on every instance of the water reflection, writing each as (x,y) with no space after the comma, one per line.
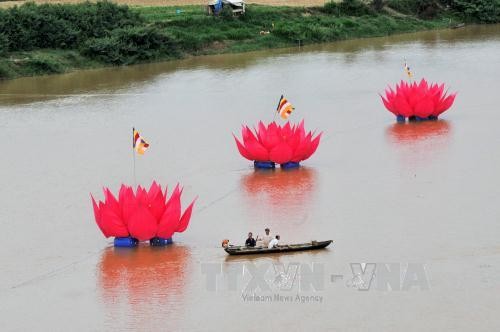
(282,195)
(140,286)
(281,258)
(419,141)
(418,131)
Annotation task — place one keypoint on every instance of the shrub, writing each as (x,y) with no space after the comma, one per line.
(347,7)
(427,8)
(354,8)
(226,12)
(5,71)
(189,42)
(4,44)
(131,45)
(408,7)
(420,8)
(331,7)
(40,64)
(378,4)
(32,26)
(487,11)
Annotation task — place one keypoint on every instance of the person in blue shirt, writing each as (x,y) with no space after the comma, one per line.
(250,242)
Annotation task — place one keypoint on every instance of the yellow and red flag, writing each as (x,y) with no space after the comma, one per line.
(139,144)
(284,108)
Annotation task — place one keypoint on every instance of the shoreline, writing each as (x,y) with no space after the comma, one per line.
(188,37)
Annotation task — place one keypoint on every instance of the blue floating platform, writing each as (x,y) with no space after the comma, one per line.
(290,165)
(160,242)
(419,119)
(126,242)
(264,164)
(414,118)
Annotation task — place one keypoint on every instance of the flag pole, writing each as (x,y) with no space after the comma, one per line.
(133,154)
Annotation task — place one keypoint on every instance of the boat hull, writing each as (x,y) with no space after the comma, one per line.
(242,250)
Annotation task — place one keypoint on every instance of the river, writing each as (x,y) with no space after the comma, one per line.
(421,199)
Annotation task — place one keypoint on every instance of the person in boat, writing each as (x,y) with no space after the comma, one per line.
(250,242)
(266,238)
(274,242)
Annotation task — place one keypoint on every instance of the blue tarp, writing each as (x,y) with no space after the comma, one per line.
(218,6)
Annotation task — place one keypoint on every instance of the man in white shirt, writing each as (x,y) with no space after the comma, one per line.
(274,242)
(266,238)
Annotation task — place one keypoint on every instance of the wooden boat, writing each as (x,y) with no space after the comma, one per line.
(243,250)
(458,26)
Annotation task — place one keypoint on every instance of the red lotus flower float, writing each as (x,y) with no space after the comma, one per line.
(143,215)
(417,101)
(274,144)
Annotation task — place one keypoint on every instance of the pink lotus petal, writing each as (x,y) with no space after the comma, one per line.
(154,190)
(186,216)
(129,204)
(268,137)
(243,151)
(388,105)
(402,106)
(424,108)
(303,149)
(445,104)
(111,201)
(281,153)
(256,149)
(157,205)
(111,224)
(142,225)
(314,146)
(169,222)
(97,216)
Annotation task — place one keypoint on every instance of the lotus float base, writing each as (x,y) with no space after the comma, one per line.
(402,119)
(290,165)
(160,242)
(264,164)
(125,242)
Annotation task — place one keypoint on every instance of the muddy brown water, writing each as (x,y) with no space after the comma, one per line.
(421,197)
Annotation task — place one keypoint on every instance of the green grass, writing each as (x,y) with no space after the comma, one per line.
(155,14)
(43,62)
(197,32)
(175,32)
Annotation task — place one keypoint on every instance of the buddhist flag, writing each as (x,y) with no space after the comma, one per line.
(284,108)
(408,71)
(139,144)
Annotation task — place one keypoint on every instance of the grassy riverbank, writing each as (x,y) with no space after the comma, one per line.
(46,39)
